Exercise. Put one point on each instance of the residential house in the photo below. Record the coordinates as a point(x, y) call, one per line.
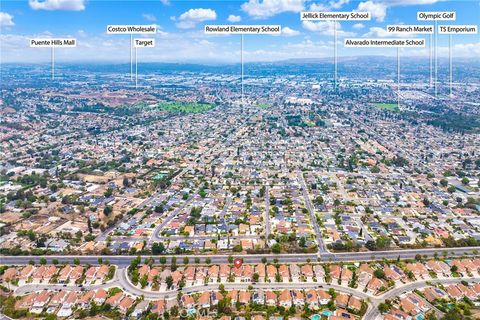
point(215, 297)
point(244, 297)
point(270, 298)
point(139, 309)
point(454, 292)
point(213, 273)
point(204, 300)
point(365, 274)
point(323, 297)
point(319, 272)
point(284, 273)
point(312, 299)
point(158, 307)
point(100, 296)
point(434, 293)
point(125, 304)
point(115, 300)
point(354, 304)
point(224, 272)
point(285, 299)
point(439, 267)
point(347, 274)
point(64, 274)
point(341, 300)
point(271, 273)
point(187, 301)
point(69, 302)
point(260, 270)
point(247, 273)
point(295, 272)
point(84, 301)
point(418, 270)
point(258, 297)
point(298, 298)
point(393, 273)
point(233, 296)
point(307, 272)
point(335, 272)
point(9, 274)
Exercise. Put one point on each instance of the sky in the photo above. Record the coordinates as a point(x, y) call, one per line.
point(180, 36)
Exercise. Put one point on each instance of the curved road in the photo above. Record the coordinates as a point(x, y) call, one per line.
point(122, 281)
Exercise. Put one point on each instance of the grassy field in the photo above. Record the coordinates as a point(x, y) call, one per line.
point(185, 107)
point(386, 106)
point(263, 106)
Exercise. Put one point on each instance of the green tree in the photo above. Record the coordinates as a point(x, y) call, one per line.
point(379, 273)
point(451, 189)
point(158, 248)
point(276, 248)
point(319, 200)
point(383, 242)
point(383, 307)
point(108, 193)
point(143, 281)
point(169, 281)
point(107, 210)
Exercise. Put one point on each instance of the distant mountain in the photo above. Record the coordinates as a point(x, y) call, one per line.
point(363, 59)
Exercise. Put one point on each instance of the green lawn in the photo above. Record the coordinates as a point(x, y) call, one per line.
point(185, 107)
point(263, 106)
point(386, 106)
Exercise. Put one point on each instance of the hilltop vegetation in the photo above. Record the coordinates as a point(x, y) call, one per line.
point(386, 106)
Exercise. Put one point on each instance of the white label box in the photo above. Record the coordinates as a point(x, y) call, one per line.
point(363, 43)
point(418, 28)
point(132, 29)
point(243, 29)
point(53, 42)
point(144, 43)
point(458, 29)
point(437, 15)
point(339, 15)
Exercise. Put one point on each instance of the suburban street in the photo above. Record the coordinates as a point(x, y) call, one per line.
point(158, 229)
point(313, 219)
point(267, 212)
